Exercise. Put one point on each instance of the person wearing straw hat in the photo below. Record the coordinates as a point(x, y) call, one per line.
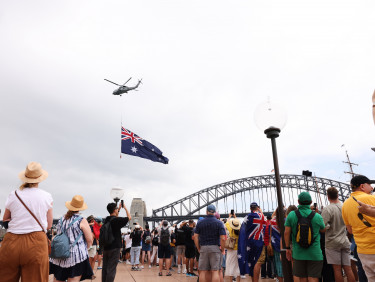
point(233, 227)
point(28, 212)
point(77, 266)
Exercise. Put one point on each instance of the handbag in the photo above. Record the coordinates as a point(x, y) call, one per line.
point(48, 240)
point(230, 242)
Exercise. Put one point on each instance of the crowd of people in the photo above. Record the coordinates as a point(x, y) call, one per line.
point(320, 245)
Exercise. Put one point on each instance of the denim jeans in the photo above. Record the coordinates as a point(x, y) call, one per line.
point(134, 255)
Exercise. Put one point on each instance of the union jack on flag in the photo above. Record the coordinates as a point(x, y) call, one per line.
point(132, 144)
point(250, 242)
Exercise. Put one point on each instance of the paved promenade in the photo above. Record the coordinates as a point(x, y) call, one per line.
point(124, 273)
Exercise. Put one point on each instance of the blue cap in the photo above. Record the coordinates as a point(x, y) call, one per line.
point(200, 218)
point(211, 208)
point(254, 205)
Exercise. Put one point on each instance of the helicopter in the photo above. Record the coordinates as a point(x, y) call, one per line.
point(124, 89)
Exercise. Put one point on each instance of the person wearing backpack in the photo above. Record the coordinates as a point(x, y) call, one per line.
point(135, 250)
point(164, 250)
point(74, 266)
point(110, 239)
point(155, 246)
point(304, 226)
point(146, 246)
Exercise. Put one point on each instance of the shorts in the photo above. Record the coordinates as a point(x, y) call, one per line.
point(210, 258)
point(338, 257)
point(307, 268)
point(262, 257)
point(92, 251)
point(180, 250)
point(190, 252)
point(146, 247)
point(127, 251)
point(164, 251)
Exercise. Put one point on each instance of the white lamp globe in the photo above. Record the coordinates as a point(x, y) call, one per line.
point(270, 115)
point(117, 193)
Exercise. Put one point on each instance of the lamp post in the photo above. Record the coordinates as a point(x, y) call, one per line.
point(271, 118)
point(117, 193)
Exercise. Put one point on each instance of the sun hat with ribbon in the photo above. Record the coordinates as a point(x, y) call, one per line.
point(235, 224)
point(76, 204)
point(33, 173)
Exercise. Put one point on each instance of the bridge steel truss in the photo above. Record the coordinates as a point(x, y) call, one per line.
point(193, 206)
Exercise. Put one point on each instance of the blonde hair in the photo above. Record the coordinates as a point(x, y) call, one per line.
point(28, 185)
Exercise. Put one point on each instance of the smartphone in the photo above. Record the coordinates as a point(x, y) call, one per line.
point(355, 199)
point(122, 203)
point(232, 212)
point(315, 206)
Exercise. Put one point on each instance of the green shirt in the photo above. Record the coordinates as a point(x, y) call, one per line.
point(313, 252)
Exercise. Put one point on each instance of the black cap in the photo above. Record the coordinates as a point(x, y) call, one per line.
point(360, 179)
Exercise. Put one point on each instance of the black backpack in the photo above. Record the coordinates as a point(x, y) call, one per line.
point(164, 236)
point(304, 232)
point(106, 236)
point(155, 240)
point(180, 237)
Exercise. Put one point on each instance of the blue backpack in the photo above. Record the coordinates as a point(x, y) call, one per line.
point(60, 245)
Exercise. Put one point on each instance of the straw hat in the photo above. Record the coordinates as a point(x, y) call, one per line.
point(235, 224)
point(33, 173)
point(76, 204)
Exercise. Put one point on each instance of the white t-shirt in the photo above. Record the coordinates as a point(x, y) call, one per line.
point(37, 200)
point(128, 241)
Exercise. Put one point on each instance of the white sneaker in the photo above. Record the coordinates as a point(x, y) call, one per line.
point(243, 276)
point(142, 267)
point(128, 262)
point(184, 271)
point(149, 266)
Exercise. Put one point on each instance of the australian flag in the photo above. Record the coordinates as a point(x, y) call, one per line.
point(275, 235)
point(134, 145)
point(251, 242)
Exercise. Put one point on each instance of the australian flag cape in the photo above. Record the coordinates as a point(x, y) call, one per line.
point(132, 144)
point(251, 242)
point(275, 235)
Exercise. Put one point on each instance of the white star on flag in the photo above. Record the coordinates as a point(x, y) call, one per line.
point(134, 149)
point(239, 256)
point(248, 248)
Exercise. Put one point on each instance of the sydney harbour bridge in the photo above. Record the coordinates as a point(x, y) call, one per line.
point(238, 194)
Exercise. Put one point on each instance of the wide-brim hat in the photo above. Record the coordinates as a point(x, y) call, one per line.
point(76, 204)
point(33, 173)
point(235, 224)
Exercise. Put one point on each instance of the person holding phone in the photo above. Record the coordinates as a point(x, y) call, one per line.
point(111, 253)
point(359, 224)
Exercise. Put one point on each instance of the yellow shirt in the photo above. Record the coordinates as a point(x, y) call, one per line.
point(363, 235)
point(232, 234)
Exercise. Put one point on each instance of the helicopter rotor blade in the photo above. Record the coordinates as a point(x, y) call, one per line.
point(126, 81)
point(112, 82)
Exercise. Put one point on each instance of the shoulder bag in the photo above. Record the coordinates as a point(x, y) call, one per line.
point(48, 240)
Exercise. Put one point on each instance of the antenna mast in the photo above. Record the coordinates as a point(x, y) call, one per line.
point(349, 163)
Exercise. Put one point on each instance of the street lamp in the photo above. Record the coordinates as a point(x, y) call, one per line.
point(271, 118)
point(117, 193)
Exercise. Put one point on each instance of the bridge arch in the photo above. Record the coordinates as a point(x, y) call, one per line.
point(260, 189)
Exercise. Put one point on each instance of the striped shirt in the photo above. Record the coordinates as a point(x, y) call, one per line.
point(79, 252)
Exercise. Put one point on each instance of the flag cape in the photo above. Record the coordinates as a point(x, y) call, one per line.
point(250, 242)
point(132, 144)
point(275, 236)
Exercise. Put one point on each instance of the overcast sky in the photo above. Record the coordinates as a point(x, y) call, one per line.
point(206, 65)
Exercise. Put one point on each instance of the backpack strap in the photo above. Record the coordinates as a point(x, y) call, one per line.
point(70, 225)
point(311, 215)
point(298, 213)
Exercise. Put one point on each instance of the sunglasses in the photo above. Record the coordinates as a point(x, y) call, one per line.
point(365, 222)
